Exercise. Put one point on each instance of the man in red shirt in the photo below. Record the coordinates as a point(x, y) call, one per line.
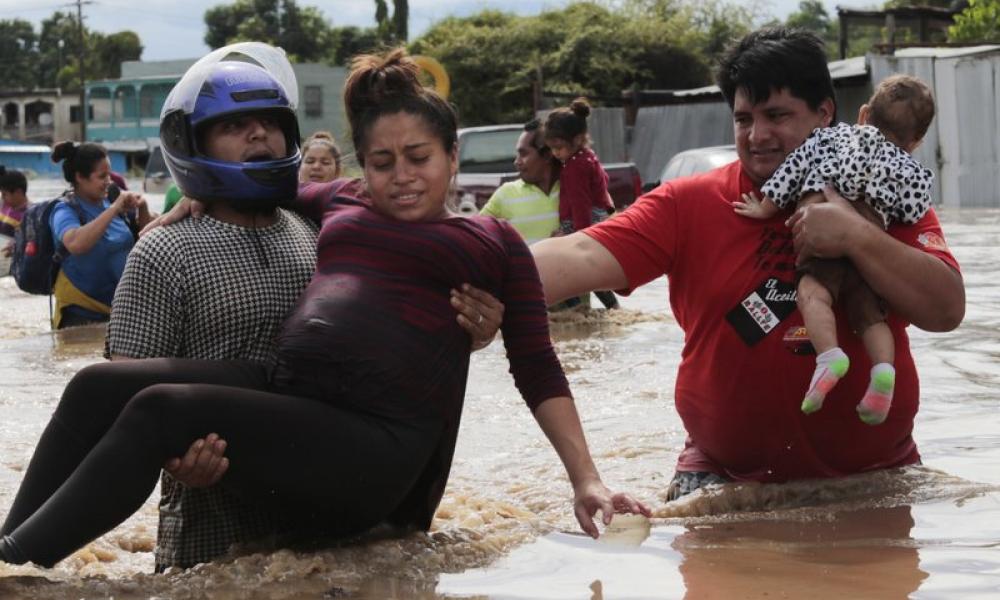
point(732, 287)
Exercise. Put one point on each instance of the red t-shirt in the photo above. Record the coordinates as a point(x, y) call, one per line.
point(743, 371)
point(583, 186)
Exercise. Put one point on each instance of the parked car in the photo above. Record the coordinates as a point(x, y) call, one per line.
point(157, 179)
point(696, 160)
point(486, 160)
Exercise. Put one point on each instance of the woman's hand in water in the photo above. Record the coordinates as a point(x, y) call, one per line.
point(185, 207)
point(593, 495)
point(479, 313)
point(203, 465)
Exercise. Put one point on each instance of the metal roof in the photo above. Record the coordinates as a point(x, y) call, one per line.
point(24, 148)
point(945, 52)
point(847, 68)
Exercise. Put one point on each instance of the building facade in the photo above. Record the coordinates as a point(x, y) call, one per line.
point(125, 112)
point(40, 116)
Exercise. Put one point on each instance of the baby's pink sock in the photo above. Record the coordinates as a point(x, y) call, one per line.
point(830, 367)
point(874, 407)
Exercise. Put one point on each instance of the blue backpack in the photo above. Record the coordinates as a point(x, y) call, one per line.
point(36, 258)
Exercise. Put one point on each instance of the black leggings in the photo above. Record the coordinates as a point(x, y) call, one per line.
point(99, 457)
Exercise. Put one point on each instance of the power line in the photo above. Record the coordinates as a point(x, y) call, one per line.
point(81, 67)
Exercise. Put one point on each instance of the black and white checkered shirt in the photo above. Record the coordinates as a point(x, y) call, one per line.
point(206, 289)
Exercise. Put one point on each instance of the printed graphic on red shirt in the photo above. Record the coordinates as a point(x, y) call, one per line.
point(796, 340)
point(775, 250)
point(762, 310)
point(932, 241)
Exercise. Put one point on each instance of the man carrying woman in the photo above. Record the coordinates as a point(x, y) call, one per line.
point(354, 420)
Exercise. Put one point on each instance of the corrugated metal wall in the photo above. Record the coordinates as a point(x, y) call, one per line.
point(607, 129)
point(962, 146)
point(970, 168)
point(927, 153)
point(662, 131)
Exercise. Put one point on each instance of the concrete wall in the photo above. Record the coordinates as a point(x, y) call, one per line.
point(330, 81)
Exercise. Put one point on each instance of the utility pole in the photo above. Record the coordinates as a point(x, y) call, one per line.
point(81, 62)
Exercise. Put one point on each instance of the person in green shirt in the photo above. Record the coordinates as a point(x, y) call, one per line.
point(173, 196)
point(530, 203)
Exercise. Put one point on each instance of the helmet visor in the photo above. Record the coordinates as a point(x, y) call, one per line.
point(271, 59)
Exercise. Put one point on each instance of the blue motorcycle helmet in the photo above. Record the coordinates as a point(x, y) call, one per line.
point(221, 85)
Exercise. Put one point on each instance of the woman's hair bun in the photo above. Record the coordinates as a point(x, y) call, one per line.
point(373, 79)
point(63, 150)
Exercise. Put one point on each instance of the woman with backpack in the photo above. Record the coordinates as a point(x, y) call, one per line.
point(94, 234)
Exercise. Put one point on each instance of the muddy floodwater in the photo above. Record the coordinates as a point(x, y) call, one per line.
point(505, 527)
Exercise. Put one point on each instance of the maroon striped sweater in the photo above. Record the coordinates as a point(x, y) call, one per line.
point(378, 309)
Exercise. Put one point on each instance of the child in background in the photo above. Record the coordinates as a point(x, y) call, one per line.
point(583, 183)
point(320, 159)
point(869, 164)
point(14, 193)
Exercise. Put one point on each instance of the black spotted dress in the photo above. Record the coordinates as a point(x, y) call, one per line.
point(861, 164)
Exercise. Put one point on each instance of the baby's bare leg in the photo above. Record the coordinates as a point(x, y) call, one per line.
point(816, 305)
point(879, 343)
point(866, 316)
point(815, 302)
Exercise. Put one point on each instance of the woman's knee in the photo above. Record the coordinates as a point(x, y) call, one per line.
point(91, 392)
point(157, 400)
point(149, 415)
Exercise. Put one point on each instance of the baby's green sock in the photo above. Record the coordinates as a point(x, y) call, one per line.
point(874, 407)
point(830, 367)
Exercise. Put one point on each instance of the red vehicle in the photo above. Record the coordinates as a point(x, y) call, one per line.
point(486, 160)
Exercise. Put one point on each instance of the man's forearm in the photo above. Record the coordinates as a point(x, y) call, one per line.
point(918, 286)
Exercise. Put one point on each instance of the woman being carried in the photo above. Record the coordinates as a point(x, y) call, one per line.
point(355, 420)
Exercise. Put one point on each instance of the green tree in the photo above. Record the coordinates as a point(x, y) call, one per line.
point(979, 22)
point(109, 51)
point(811, 15)
point(20, 56)
point(304, 33)
point(58, 47)
point(346, 42)
point(395, 29)
point(103, 53)
point(494, 58)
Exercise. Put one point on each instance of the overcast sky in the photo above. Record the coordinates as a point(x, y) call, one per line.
point(175, 28)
